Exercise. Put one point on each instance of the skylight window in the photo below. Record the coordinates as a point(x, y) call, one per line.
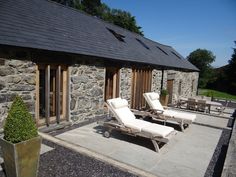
point(142, 43)
point(162, 50)
point(118, 36)
point(176, 55)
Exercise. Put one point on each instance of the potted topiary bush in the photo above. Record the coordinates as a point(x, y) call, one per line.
point(164, 97)
point(21, 142)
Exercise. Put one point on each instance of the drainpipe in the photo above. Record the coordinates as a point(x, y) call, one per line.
point(162, 78)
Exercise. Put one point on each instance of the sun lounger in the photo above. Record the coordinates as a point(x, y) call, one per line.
point(158, 112)
point(126, 122)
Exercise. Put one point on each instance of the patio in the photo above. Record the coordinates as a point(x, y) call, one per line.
point(187, 154)
point(83, 151)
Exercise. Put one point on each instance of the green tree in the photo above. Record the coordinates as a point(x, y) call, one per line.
point(125, 20)
point(231, 72)
point(202, 59)
point(91, 6)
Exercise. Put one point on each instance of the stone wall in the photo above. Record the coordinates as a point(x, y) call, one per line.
point(87, 83)
point(16, 78)
point(125, 83)
point(189, 83)
point(156, 80)
point(87, 86)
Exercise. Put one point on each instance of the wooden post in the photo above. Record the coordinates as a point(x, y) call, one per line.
point(47, 94)
point(162, 78)
point(58, 91)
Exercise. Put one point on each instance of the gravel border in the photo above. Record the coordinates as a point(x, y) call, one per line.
point(216, 164)
point(63, 162)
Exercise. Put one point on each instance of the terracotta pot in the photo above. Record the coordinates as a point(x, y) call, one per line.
point(164, 99)
point(21, 159)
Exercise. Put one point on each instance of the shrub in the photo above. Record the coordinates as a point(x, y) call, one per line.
point(19, 124)
point(164, 92)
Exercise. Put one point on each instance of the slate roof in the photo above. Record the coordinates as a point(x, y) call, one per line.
point(46, 25)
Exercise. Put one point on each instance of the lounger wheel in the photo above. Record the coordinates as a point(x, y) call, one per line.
point(106, 134)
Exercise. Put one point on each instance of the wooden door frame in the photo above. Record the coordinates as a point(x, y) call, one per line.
point(65, 88)
point(141, 82)
point(115, 81)
point(172, 88)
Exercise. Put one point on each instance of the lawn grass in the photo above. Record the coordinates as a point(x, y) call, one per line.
point(216, 94)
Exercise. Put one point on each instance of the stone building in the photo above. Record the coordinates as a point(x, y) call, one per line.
point(65, 63)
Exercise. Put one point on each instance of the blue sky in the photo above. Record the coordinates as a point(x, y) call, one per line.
point(186, 24)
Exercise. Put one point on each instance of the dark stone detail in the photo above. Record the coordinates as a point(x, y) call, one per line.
point(14, 79)
point(30, 80)
point(2, 85)
point(9, 97)
point(4, 71)
point(72, 104)
point(30, 106)
point(99, 77)
point(79, 79)
point(15, 63)
point(2, 61)
point(22, 88)
point(96, 91)
point(26, 97)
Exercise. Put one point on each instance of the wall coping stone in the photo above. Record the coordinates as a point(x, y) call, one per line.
point(229, 169)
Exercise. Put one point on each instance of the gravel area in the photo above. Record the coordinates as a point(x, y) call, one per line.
point(216, 164)
point(62, 162)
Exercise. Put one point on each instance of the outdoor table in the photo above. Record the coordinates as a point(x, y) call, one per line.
point(208, 103)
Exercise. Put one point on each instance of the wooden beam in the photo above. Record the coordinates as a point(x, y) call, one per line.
point(162, 78)
point(68, 94)
point(64, 93)
point(37, 96)
point(58, 91)
point(114, 85)
point(47, 94)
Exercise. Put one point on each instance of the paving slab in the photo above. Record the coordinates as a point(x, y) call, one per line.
point(187, 154)
point(210, 120)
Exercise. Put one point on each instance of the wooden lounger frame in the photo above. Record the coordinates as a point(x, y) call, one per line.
point(114, 124)
point(159, 116)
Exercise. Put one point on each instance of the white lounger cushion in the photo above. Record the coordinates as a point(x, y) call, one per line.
point(120, 109)
point(124, 114)
point(157, 130)
point(152, 99)
point(137, 124)
point(180, 115)
point(120, 103)
point(156, 105)
point(153, 95)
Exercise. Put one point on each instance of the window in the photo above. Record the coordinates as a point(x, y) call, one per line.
point(118, 36)
point(112, 83)
point(142, 43)
point(161, 50)
point(175, 54)
point(141, 83)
